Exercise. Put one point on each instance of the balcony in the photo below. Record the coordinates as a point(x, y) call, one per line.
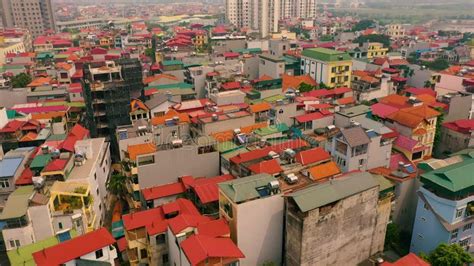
point(470, 209)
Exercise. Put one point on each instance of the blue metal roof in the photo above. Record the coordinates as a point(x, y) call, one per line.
point(8, 166)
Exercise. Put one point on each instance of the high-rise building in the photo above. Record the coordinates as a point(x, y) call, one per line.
point(238, 12)
point(298, 9)
point(35, 15)
point(108, 89)
point(263, 15)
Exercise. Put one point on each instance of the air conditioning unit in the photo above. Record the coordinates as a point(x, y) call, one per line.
point(291, 179)
point(274, 184)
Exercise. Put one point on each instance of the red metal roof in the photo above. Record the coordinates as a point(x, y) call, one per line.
point(309, 117)
point(408, 260)
point(463, 125)
point(312, 156)
point(183, 221)
point(122, 244)
point(163, 191)
point(74, 248)
point(198, 248)
point(25, 178)
point(260, 153)
point(206, 188)
point(270, 167)
point(55, 165)
point(234, 85)
point(214, 228)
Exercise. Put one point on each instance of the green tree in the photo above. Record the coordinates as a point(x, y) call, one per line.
point(439, 122)
point(150, 53)
point(323, 86)
point(444, 255)
point(304, 87)
point(384, 39)
point(117, 185)
point(21, 80)
point(437, 65)
point(326, 38)
point(363, 25)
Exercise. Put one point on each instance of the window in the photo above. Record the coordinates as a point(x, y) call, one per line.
point(467, 227)
point(465, 242)
point(164, 259)
point(4, 183)
point(454, 234)
point(333, 80)
point(459, 212)
point(425, 206)
point(14, 243)
point(99, 254)
point(60, 225)
point(143, 253)
point(160, 239)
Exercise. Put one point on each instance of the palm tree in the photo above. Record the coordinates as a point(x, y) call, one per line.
point(117, 185)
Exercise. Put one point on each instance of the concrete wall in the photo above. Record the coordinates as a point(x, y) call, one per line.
point(339, 234)
point(453, 141)
point(404, 210)
point(124, 143)
point(377, 155)
point(40, 217)
point(260, 230)
point(449, 83)
point(251, 67)
point(170, 164)
point(223, 125)
point(24, 234)
point(288, 111)
point(108, 256)
point(270, 68)
point(459, 108)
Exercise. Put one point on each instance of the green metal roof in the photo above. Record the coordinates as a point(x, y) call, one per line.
point(384, 183)
point(248, 51)
point(12, 114)
point(40, 161)
point(180, 85)
point(171, 62)
point(327, 55)
point(453, 178)
point(226, 146)
point(23, 255)
point(331, 191)
point(272, 58)
point(282, 127)
point(57, 137)
point(44, 55)
point(245, 188)
point(229, 154)
point(17, 203)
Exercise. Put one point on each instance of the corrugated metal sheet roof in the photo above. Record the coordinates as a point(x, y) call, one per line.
point(319, 195)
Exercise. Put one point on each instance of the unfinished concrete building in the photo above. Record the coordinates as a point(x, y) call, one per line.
point(340, 222)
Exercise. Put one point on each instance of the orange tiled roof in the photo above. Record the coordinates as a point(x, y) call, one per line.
point(151, 79)
point(260, 107)
point(426, 98)
point(29, 137)
point(47, 115)
point(294, 81)
point(40, 81)
point(395, 100)
point(63, 65)
point(136, 105)
point(323, 171)
point(140, 149)
point(183, 117)
point(413, 116)
point(229, 134)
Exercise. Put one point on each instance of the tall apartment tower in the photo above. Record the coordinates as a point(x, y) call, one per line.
point(35, 15)
point(239, 12)
point(298, 9)
point(263, 15)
